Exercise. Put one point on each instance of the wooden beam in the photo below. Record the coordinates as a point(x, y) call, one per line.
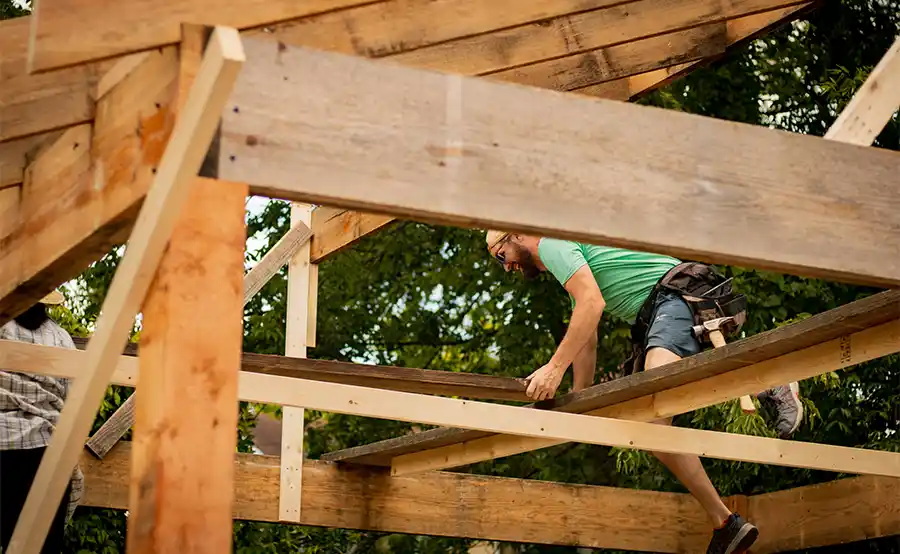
point(65, 96)
point(184, 441)
point(744, 181)
point(445, 504)
point(334, 229)
point(67, 363)
point(40, 103)
point(816, 360)
point(270, 264)
point(182, 158)
point(293, 417)
point(615, 62)
point(51, 38)
point(95, 212)
point(784, 343)
point(553, 427)
point(10, 199)
point(577, 33)
point(565, 427)
point(873, 104)
point(113, 429)
point(494, 508)
point(836, 512)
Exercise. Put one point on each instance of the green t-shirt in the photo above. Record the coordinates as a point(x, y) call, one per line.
point(625, 277)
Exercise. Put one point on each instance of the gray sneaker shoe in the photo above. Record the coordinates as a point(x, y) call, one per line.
point(784, 407)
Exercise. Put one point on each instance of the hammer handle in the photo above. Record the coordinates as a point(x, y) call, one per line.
point(718, 341)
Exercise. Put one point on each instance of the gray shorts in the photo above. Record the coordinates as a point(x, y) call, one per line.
point(670, 326)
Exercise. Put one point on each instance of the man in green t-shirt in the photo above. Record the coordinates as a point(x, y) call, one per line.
point(617, 281)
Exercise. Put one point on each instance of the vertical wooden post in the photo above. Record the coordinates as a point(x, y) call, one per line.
point(298, 313)
point(190, 353)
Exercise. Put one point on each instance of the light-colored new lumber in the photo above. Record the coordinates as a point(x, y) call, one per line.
point(793, 341)
point(836, 354)
point(182, 158)
point(270, 264)
point(873, 104)
point(778, 200)
point(540, 428)
point(831, 513)
point(95, 212)
point(293, 416)
point(184, 441)
point(445, 504)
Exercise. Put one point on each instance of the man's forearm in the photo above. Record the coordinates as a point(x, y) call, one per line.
point(585, 365)
point(585, 318)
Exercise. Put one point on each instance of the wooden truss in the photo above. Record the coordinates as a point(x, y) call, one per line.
point(156, 136)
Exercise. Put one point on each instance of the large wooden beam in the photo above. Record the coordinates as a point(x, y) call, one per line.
point(494, 508)
point(445, 504)
point(180, 162)
point(92, 212)
point(620, 72)
point(784, 344)
point(184, 440)
point(462, 140)
point(835, 512)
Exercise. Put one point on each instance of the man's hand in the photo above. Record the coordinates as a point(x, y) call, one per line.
point(542, 384)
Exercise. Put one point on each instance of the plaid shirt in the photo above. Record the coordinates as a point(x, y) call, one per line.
point(30, 404)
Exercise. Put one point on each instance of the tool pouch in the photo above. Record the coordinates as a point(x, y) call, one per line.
point(708, 294)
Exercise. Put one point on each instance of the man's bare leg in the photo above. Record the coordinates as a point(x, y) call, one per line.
point(688, 468)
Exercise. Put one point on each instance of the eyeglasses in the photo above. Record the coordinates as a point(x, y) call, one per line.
point(500, 256)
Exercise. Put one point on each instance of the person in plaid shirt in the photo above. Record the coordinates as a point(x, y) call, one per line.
point(29, 411)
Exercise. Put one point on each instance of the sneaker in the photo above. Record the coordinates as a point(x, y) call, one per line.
point(782, 404)
point(735, 537)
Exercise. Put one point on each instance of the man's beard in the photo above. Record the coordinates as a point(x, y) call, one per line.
point(526, 261)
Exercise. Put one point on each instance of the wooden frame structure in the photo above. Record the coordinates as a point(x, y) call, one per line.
point(157, 136)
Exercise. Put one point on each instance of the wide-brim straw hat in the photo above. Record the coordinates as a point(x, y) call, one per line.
point(52, 299)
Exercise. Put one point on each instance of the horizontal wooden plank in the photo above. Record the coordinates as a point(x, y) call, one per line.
point(577, 33)
point(406, 379)
point(611, 63)
point(54, 43)
point(862, 314)
point(803, 364)
point(836, 512)
point(768, 199)
point(31, 104)
point(444, 504)
point(495, 508)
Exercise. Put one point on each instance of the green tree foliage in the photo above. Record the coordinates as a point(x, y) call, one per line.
point(429, 296)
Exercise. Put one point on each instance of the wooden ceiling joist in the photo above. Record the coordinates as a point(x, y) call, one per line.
point(494, 508)
point(35, 103)
point(643, 389)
